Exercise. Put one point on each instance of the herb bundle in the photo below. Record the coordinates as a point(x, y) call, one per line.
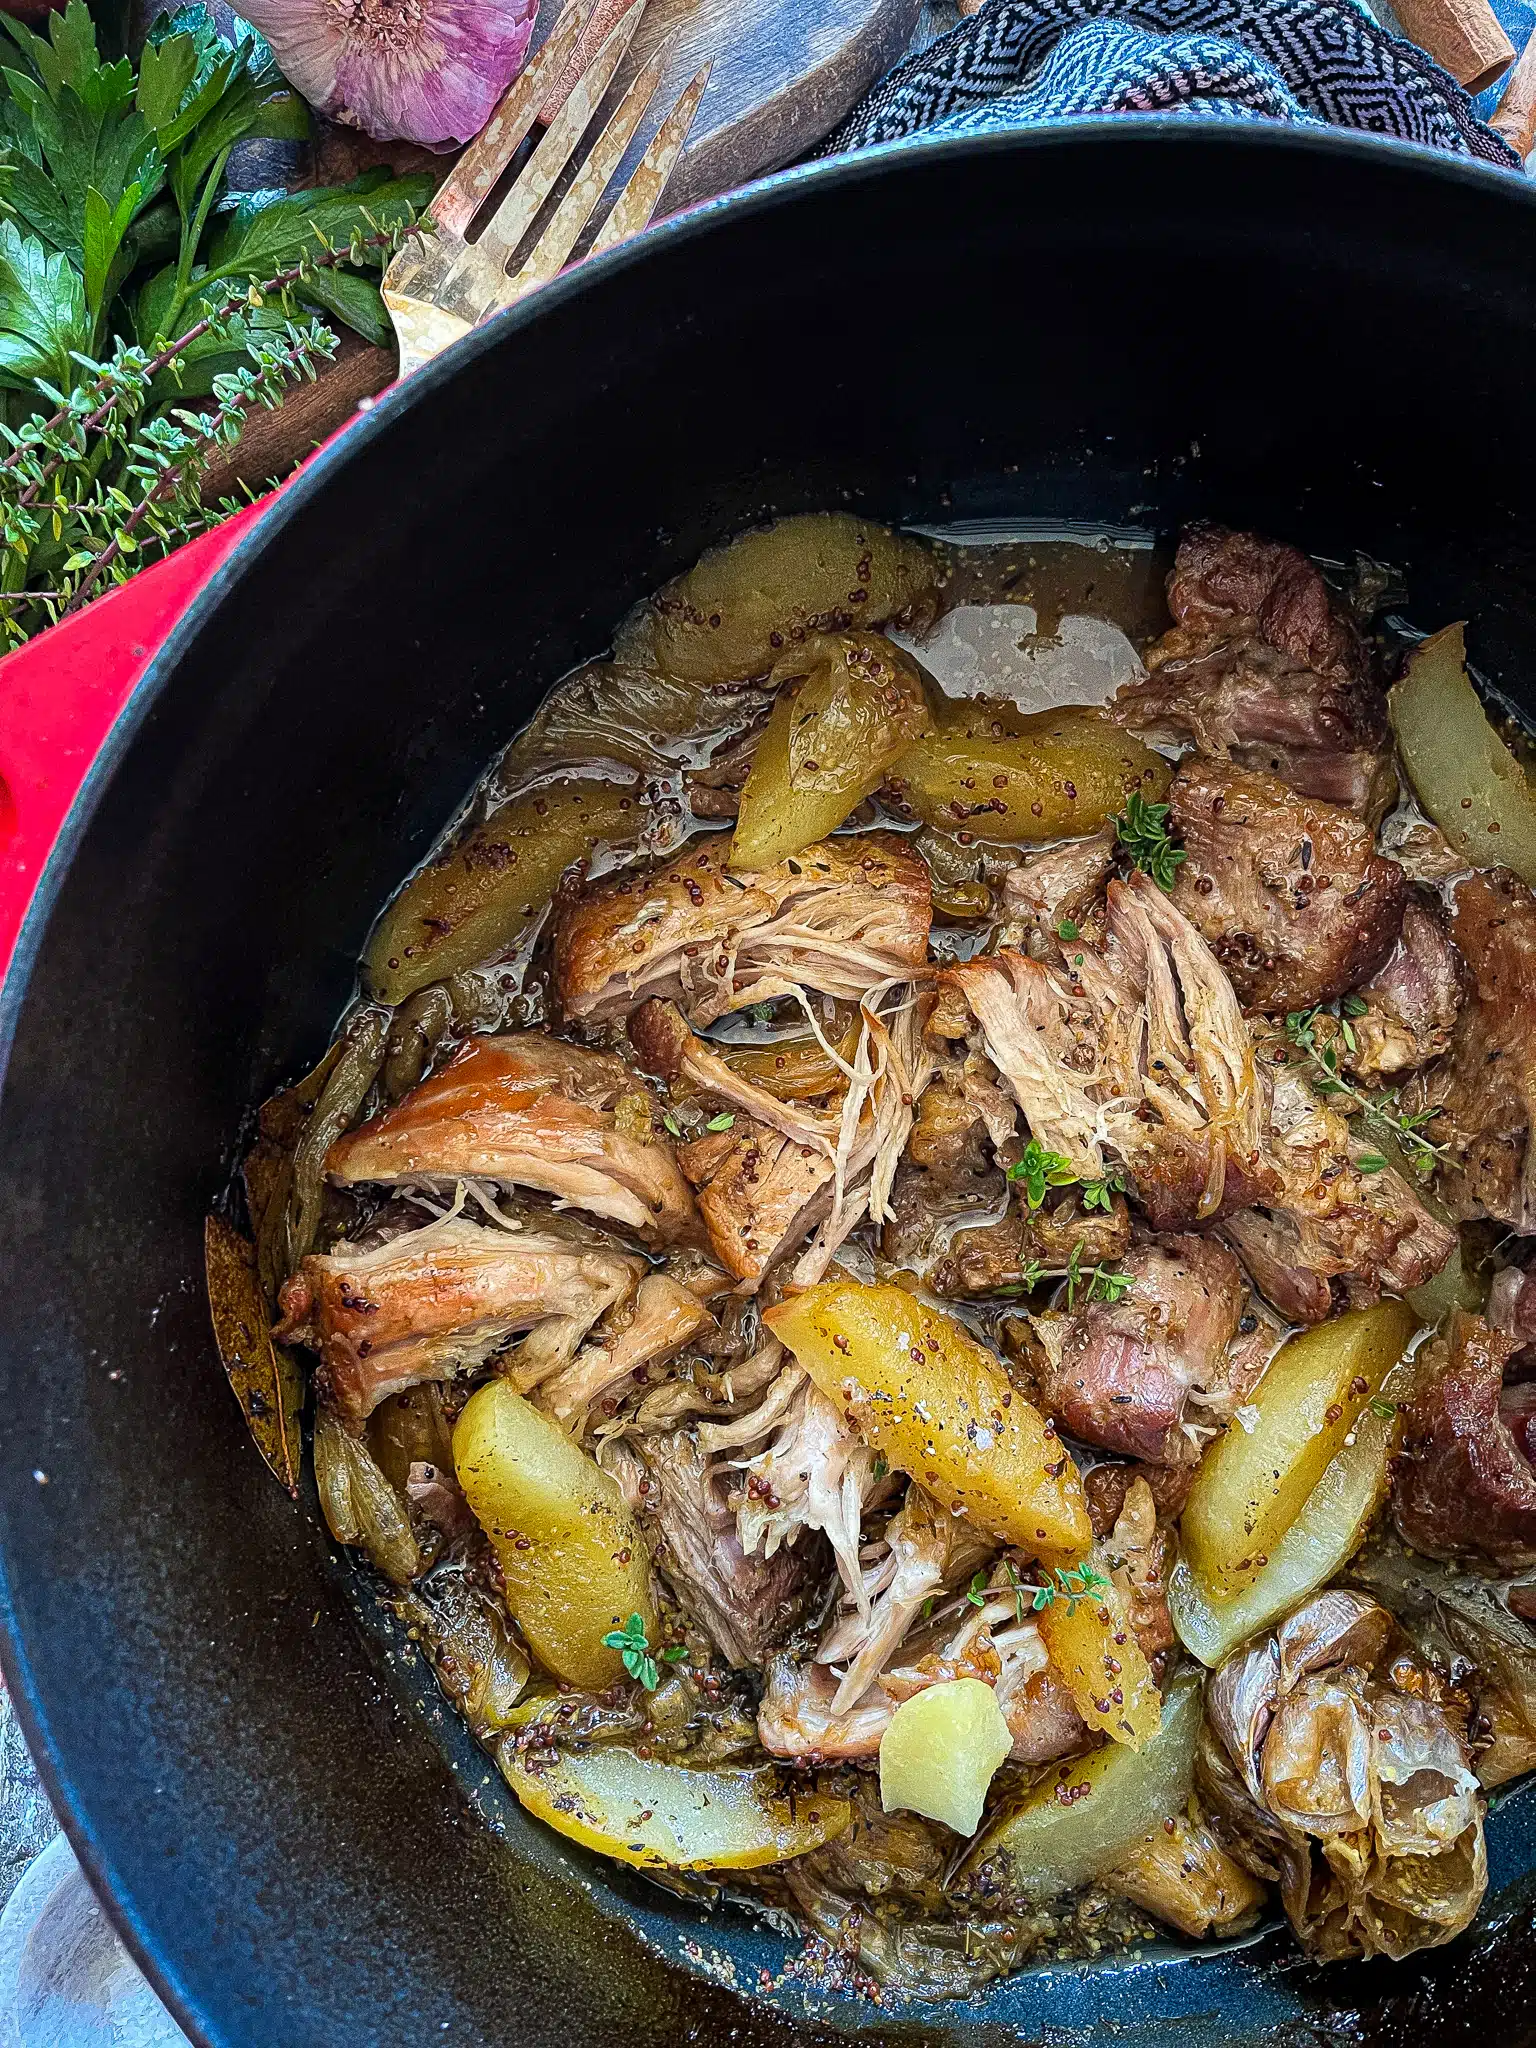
point(131, 280)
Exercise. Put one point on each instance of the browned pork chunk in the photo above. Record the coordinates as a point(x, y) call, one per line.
point(759, 1192)
point(1485, 1087)
point(1412, 1000)
point(746, 1605)
point(841, 917)
point(1512, 1305)
point(1265, 671)
point(1150, 1375)
point(435, 1302)
point(1333, 1233)
point(1291, 893)
point(533, 1112)
point(1465, 1487)
point(1224, 579)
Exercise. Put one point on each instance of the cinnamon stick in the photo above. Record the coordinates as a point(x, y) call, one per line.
point(1515, 116)
point(1463, 36)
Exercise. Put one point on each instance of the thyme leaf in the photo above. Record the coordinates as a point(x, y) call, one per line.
point(634, 1651)
point(1039, 1169)
point(1142, 829)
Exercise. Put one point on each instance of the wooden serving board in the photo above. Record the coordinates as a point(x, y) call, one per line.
point(784, 74)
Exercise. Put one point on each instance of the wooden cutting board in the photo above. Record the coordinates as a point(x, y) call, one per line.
point(784, 74)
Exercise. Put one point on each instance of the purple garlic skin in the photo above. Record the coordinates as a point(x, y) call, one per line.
point(424, 71)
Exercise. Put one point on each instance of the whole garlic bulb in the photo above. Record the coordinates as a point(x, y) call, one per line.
point(426, 71)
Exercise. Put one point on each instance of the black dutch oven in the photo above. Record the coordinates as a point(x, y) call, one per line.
point(1328, 338)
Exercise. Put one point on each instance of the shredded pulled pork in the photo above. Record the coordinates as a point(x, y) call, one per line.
point(888, 1650)
point(779, 1170)
point(746, 1605)
point(1137, 1056)
point(812, 1474)
point(663, 1318)
point(840, 917)
point(432, 1303)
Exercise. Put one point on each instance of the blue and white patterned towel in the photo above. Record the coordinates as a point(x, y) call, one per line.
point(1019, 62)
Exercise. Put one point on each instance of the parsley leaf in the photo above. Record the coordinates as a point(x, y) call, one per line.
point(1067, 929)
point(43, 317)
point(1142, 829)
point(722, 1122)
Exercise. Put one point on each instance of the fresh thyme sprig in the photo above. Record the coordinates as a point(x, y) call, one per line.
point(1040, 1170)
point(1098, 1281)
point(635, 1652)
point(1142, 829)
point(95, 489)
point(1072, 1583)
point(1382, 1110)
point(1094, 1283)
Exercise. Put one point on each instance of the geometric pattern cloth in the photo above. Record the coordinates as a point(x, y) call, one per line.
point(1021, 62)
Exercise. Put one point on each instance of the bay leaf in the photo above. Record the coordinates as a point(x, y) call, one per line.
point(266, 1378)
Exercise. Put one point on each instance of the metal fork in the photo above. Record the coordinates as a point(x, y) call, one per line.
point(441, 285)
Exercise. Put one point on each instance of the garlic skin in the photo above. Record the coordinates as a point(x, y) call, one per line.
point(424, 71)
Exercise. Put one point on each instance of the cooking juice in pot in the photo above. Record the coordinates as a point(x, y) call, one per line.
point(913, 1257)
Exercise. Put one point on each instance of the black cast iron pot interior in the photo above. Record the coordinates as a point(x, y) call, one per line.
point(1332, 339)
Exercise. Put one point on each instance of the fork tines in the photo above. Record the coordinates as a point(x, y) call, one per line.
point(441, 285)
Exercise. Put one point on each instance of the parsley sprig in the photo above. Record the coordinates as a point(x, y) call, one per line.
point(1383, 1110)
point(133, 281)
point(635, 1652)
point(1142, 829)
point(1072, 1583)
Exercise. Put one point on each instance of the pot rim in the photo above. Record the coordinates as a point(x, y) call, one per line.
point(1148, 132)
